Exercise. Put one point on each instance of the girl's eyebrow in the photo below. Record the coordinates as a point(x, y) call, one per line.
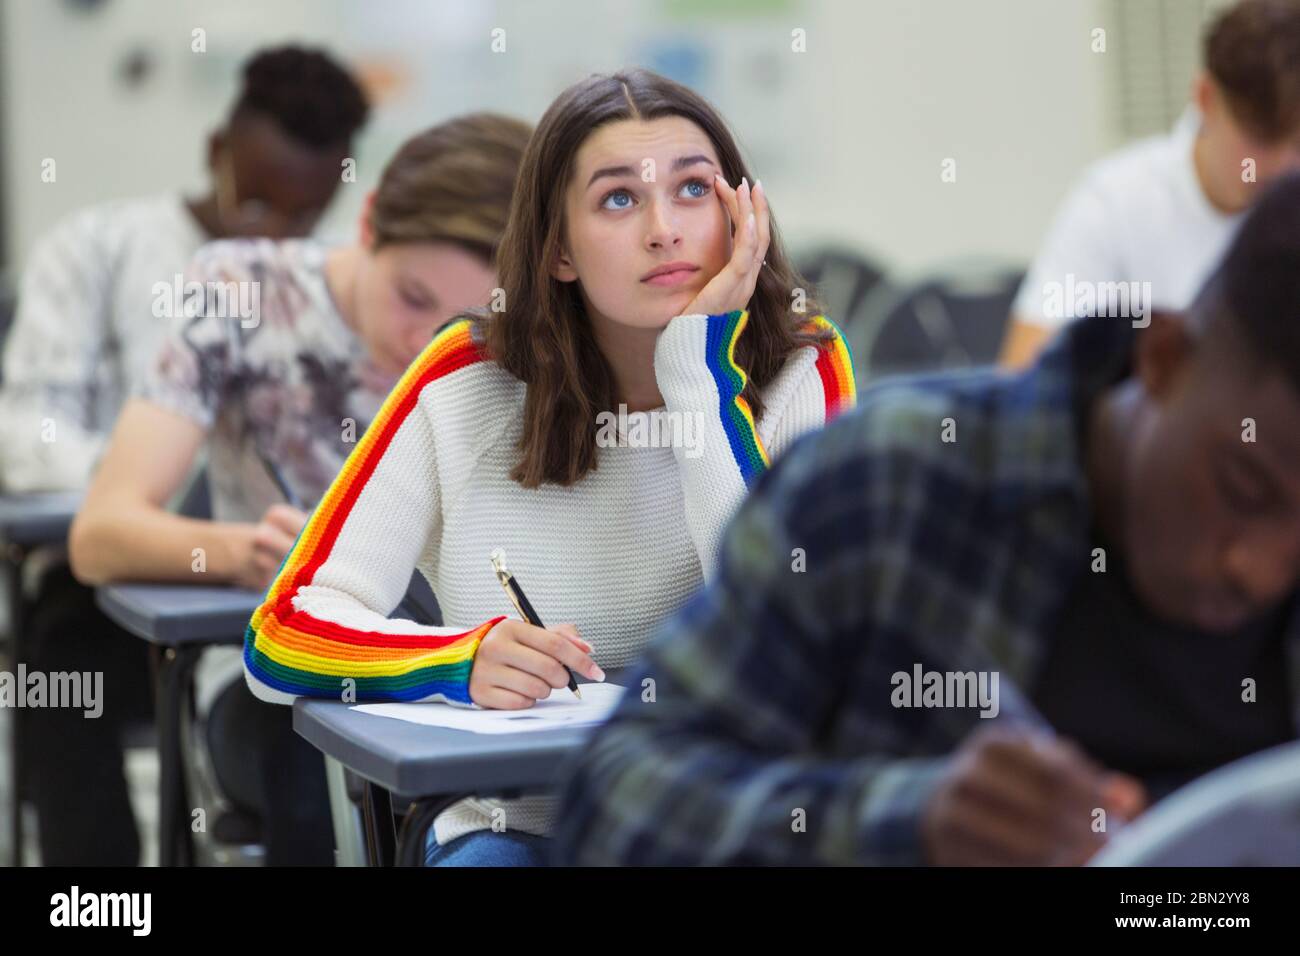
point(684, 161)
point(679, 163)
point(609, 171)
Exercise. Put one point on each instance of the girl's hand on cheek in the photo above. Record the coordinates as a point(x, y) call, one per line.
point(733, 286)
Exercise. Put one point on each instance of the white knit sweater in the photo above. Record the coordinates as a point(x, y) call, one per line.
point(428, 487)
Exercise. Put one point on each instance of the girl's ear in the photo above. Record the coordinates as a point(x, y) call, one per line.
point(365, 227)
point(563, 269)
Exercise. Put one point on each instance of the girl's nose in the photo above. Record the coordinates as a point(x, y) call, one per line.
point(663, 231)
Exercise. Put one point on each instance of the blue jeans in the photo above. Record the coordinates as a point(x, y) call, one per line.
point(489, 848)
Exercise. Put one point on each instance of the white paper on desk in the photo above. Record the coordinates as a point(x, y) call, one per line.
point(561, 709)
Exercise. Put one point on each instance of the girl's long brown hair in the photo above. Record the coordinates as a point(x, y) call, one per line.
point(544, 337)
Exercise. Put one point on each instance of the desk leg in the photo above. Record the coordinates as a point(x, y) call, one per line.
point(13, 570)
point(377, 812)
point(175, 846)
point(349, 826)
point(415, 828)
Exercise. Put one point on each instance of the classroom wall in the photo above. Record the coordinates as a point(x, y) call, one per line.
point(849, 136)
point(1007, 88)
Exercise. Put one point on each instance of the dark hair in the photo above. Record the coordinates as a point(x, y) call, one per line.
point(544, 336)
point(1253, 52)
point(1256, 288)
point(452, 183)
point(309, 95)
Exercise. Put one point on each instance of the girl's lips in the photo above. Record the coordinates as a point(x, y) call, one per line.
point(676, 277)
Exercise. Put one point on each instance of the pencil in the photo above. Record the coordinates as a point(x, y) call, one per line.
point(522, 605)
point(277, 476)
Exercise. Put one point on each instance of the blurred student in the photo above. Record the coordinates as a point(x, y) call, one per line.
point(292, 388)
point(1163, 211)
point(87, 326)
point(87, 323)
point(600, 427)
point(1028, 600)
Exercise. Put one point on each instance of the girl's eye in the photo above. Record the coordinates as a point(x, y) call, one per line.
point(617, 194)
point(698, 188)
point(412, 301)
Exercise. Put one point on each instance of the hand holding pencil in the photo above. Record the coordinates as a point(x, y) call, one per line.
point(519, 663)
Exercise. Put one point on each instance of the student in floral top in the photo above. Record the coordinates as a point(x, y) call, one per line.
point(286, 355)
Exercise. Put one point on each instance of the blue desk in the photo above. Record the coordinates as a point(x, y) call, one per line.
point(429, 767)
point(42, 518)
point(174, 615)
point(27, 522)
point(181, 621)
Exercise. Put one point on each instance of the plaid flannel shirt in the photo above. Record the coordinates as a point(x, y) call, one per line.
point(770, 736)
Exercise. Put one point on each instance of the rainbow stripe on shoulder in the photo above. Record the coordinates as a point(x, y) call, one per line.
point(291, 651)
point(834, 366)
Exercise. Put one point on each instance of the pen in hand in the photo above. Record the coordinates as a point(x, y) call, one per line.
point(277, 476)
point(517, 597)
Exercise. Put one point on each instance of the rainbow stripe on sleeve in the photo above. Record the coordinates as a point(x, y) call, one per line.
point(293, 652)
point(737, 417)
point(834, 365)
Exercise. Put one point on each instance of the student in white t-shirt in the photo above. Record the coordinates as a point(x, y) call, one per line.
point(1145, 227)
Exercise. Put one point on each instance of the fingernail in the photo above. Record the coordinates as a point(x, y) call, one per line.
point(597, 673)
point(758, 184)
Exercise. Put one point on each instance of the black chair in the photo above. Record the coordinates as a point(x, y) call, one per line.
point(843, 279)
point(952, 321)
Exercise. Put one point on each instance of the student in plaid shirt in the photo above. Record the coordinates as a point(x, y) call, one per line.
point(1115, 534)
